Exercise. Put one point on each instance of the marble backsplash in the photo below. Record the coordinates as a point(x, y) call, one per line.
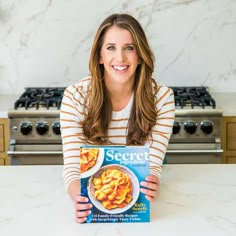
point(47, 42)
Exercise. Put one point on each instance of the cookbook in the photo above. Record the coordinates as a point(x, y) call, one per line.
point(110, 178)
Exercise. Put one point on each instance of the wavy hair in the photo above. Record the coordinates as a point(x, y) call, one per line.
point(99, 108)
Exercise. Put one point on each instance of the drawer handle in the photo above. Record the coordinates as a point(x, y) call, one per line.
point(196, 151)
point(34, 153)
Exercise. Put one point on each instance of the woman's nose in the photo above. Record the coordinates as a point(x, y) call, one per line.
point(120, 55)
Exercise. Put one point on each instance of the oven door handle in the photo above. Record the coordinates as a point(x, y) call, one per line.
point(216, 151)
point(34, 152)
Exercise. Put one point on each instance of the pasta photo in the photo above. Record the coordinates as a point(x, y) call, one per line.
point(88, 158)
point(113, 188)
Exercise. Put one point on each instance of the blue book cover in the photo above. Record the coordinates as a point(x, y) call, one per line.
point(110, 178)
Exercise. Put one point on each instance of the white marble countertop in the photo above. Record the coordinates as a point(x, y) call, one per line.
point(6, 102)
point(226, 101)
point(192, 200)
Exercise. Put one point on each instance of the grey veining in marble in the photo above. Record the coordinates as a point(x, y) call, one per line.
point(47, 43)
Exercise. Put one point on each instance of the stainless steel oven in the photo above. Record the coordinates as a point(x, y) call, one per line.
point(197, 128)
point(35, 137)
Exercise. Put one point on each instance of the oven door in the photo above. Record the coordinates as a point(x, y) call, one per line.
point(36, 154)
point(200, 153)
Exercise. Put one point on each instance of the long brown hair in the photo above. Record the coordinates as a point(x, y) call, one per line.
point(99, 109)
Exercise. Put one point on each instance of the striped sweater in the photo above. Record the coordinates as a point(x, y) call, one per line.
point(72, 113)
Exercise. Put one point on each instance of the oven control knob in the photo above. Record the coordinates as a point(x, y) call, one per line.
point(176, 128)
point(25, 127)
point(42, 127)
point(207, 126)
point(56, 128)
point(190, 126)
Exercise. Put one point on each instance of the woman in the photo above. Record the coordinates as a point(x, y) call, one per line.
point(119, 104)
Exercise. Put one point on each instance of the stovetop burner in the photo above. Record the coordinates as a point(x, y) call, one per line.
point(40, 98)
point(193, 97)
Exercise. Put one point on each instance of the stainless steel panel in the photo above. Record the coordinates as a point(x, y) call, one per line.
point(199, 136)
point(42, 112)
point(36, 154)
point(207, 112)
point(195, 146)
point(33, 137)
point(197, 158)
point(195, 153)
point(36, 160)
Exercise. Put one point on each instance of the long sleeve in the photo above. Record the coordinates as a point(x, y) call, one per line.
point(162, 131)
point(70, 116)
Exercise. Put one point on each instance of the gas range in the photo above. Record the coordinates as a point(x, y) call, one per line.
point(34, 122)
point(197, 117)
point(196, 136)
point(35, 117)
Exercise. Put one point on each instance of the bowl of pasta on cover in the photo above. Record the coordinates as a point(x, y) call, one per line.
point(91, 160)
point(113, 189)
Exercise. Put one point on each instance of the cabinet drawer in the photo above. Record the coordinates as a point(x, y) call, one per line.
point(231, 160)
point(231, 136)
point(2, 162)
point(2, 144)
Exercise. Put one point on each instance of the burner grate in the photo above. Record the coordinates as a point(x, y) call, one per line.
point(37, 98)
point(193, 97)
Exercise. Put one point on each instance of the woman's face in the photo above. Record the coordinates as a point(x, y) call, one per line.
point(119, 56)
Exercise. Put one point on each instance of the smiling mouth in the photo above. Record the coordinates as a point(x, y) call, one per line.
point(120, 68)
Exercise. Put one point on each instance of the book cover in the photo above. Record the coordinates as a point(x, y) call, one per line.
point(110, 178)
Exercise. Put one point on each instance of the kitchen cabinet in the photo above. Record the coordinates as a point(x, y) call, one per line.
point(229, 139)
point(4, 141)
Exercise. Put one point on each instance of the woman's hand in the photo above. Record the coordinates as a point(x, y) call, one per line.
point(151, 185)
point(82, 208)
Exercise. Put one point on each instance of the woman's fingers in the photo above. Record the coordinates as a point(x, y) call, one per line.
point(151, 185)
point(149, 193)
point(79, 198)
point(80, 220)
point(151, 199)
point(82, 208)
point(82, 214)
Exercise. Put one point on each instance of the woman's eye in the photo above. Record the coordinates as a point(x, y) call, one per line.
point(111, 48)
point(130, 48)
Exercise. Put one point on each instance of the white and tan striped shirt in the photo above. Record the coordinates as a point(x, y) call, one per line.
point(72, 112)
